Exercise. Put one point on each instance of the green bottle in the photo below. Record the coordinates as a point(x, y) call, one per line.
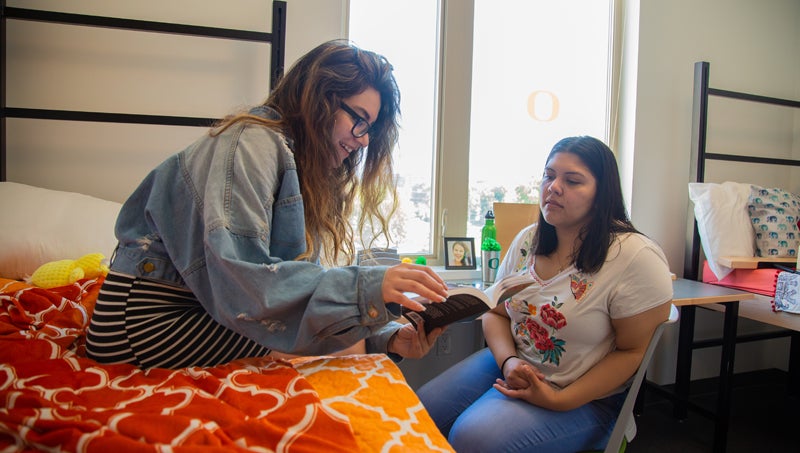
point(488, 230)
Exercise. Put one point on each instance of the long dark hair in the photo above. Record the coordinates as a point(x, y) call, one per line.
point(609, 216)
point(307, 98)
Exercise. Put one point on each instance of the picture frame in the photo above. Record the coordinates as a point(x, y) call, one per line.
point(459, 250)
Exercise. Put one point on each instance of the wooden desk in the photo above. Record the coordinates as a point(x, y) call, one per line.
point(761, 311)
point(752, 262)
point(690, 292)
point(688, 295)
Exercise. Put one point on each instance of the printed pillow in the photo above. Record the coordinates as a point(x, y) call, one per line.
point(774, 214)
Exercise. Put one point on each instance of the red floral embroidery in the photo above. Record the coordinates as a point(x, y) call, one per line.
point(536, 336)
point(553, 317)
point(539, 335)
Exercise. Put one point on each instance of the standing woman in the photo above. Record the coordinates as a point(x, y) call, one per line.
point(562, 351)
point(219, 247)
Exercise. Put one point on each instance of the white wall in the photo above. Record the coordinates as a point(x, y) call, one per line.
point(79, 68)
point(311, 22)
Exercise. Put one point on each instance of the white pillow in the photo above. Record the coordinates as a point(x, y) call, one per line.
point(722, 222)
point(40, 225)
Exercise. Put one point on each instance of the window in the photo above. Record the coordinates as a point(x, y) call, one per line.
point(406, 33)
point(516, 76)
point(540, 73)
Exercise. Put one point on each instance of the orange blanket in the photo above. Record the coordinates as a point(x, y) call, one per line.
point(55, 398)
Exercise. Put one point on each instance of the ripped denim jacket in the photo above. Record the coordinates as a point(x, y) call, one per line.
point(224, 218)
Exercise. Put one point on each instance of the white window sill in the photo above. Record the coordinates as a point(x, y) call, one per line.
point(458, 274)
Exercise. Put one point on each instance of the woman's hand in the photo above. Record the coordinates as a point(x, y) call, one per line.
point(412, 278)
point(412, 342)
point(529, 385)
point(515, 373)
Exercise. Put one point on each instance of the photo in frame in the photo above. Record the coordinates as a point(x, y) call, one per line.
point(459, 253)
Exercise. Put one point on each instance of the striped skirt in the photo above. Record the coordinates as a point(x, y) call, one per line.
point(149, 324)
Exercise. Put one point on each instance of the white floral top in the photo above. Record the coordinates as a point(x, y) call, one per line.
point(563, 325)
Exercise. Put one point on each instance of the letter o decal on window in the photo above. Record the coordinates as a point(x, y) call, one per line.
point(538, 105)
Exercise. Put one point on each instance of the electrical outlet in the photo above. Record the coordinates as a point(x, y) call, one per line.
point(444, 344)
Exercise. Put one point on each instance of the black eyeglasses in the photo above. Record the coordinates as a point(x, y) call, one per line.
point(361, 127)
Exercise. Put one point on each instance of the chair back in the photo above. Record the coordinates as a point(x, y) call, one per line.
point(626, 413)
point(510, 219)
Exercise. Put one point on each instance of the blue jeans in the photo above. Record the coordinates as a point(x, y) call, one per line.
point(477, 418)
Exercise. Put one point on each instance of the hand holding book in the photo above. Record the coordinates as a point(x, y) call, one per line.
point(465, 303)
point(402, 278)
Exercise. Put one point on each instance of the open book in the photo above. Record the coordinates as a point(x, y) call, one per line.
point(466, 303)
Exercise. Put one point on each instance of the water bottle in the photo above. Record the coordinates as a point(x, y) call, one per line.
point(490, 253)
point(488, 230)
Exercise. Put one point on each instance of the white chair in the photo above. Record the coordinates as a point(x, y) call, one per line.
point(625, 428)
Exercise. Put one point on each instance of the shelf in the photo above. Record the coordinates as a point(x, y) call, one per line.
point(752, 262)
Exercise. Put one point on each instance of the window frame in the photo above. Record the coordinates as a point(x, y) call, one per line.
point(451, 168)
point(450, 185)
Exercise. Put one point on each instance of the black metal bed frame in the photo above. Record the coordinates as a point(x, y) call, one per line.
point(730, 338)
point(699, 156)
point(276, 38)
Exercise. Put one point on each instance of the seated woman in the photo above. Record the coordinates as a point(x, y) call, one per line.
point(561, 351)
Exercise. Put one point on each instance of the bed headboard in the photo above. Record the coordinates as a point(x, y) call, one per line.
point(700, 155)
point(275, 38)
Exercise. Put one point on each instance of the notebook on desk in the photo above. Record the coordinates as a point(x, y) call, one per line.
point(787, 293)
point(759, 281)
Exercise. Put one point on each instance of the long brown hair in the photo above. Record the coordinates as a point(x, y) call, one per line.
point(307, 98)
point(609, 216)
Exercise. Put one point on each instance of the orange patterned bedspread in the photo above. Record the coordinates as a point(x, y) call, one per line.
point(54, 398)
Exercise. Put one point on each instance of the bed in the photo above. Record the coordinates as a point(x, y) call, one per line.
point(747, 231)
point(742, 234)
point(745, 235)
point(748, 234)
point(54, 398)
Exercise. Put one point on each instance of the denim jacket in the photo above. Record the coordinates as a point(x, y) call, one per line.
point(224, 218)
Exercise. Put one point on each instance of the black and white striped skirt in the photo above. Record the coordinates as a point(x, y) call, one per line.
point(154, 325)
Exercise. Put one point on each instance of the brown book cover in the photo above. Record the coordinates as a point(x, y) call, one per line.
point(466, 303)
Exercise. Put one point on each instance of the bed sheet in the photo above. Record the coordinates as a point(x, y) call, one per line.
point(53, 397)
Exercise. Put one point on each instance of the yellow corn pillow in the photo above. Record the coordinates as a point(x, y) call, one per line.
point(66, 272)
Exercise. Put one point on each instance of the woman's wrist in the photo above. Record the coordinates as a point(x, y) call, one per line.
point(391, 352)
point(390, 343)
point(503, 365)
